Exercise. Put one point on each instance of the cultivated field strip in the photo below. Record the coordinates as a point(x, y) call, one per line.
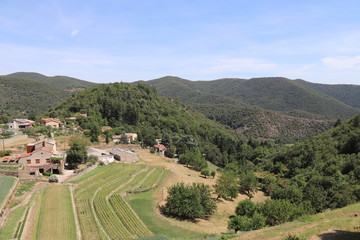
point(90, 225)
point(102, 212)
point(56, 218)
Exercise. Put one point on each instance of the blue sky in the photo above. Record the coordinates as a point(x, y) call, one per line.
point(109, 40)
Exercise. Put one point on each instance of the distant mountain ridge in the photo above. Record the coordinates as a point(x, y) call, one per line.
point(346, 93)
point(62, 82)
point(21, 97)
point(264, 107)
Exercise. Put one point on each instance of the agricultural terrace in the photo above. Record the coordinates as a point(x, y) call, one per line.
point(102, 211)
point(6, 184)
point(55, 219)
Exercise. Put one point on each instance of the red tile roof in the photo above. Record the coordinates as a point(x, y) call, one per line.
point(160, 147)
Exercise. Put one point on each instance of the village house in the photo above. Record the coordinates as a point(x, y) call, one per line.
point(17, 124)
point(103, 156)
point(41, 157)
point(70, 119)
point(130, 137)
point(126, 156)
point(52, 122)
point(160, 148)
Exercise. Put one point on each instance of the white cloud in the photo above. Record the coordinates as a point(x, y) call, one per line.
point(239, 64)
point(342, 62)
point(74, 32)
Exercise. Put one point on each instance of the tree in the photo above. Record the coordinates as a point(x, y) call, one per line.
point(107, 137)
point(205, 172)
point(189, 201)
point(213, 173)
point(226, 185)
point(76, 155)
point(248, 183)
point(170, 151)
point(246, 208)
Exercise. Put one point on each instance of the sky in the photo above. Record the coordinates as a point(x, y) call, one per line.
point(119, 40)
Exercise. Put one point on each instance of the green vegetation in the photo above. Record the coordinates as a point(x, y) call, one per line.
point(91, 173)
point(241, 104)
point(129, 108)
point(6, 184)
point(61, 212)
point(343, 220)
point(145, 207)
point(21, 97)
point(348, 94)
point(25, 187)
point(76, 155)
point(11, 224)
point(102, 210)
point(61, 82)
point(189, 201)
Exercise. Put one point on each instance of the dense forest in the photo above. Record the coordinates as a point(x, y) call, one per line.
point(270, 108)
point(22, 97)
point(137, 108)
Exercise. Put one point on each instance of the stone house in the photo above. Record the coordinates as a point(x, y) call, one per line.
point(52, 122)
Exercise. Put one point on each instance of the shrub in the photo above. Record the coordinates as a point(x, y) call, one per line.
point(47, 174)
point(53, 178)
point(246, 208)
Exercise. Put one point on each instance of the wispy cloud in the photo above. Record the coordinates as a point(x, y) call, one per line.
point(342, 62)
point(74, 32)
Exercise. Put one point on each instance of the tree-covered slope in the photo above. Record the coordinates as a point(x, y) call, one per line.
point(20, 97)
point(62, 82)
point(324, 170)
point(211, 99)
point(137, 108)
point(278, 94)
point(346, 93)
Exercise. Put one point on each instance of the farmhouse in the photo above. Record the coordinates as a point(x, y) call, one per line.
point(17, 124)
point(160, 148)
point(125, 138)
point(52, 122)
point(42, 155)
point(102, 155)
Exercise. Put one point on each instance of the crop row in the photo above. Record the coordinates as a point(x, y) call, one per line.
point(128, 217)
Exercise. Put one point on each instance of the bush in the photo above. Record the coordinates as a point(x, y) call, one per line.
point(47, 174)
point(53, 178)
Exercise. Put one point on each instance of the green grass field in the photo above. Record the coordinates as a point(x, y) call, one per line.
point(56, 217)
point(6, 184)
point(90, 174)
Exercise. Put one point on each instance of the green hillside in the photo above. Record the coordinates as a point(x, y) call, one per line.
point(20, 97)
point(222, 101)
point(346, 93)
point(278, 94)
point(137, 108)
point(62, 82)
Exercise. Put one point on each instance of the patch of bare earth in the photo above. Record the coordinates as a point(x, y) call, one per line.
point(217, 223)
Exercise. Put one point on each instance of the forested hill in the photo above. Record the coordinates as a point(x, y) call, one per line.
point(346, 93)
point(324, 170)
point(21, 97)
point(240, 104)
point(62, 82)
point(137, 108)
point(278, 94)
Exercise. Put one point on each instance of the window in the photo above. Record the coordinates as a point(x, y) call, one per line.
point(37, 160)
point(28, 161)
point(48, 160)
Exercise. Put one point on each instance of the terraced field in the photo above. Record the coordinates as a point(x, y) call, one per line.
point(102, 211)
point(6, 184)
point(56, 210)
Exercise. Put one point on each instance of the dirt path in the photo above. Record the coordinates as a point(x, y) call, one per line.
point(78, 231)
